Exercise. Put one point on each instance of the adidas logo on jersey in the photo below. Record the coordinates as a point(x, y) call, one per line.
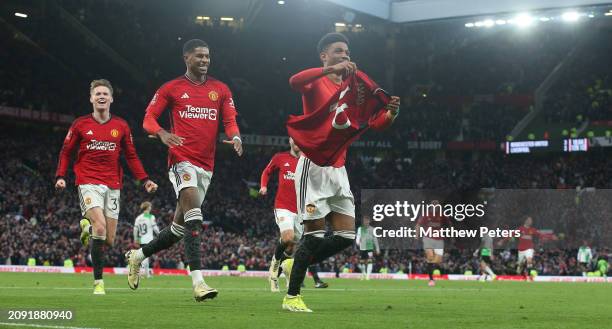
point(287, 164)
point(185, 96)
point(89, 133)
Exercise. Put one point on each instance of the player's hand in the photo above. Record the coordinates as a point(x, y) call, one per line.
point(237, 142)
point(150, 186)
point(344, 68)
point(60, 184)
point(263, 190)
point(171, 140)
point(393, 106)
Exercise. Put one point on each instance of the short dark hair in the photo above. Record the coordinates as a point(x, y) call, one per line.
point(100, 83)
point(192, 44)
point(330, 38)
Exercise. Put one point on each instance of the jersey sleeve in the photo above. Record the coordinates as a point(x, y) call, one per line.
point(381, 121)
point(156, 107)
point(228, 113)
point(268, 171)
point(131, 157)
point(70, 144)
point(302, 81)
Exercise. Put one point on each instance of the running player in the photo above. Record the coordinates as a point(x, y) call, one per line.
point(285, 212)
point(322, 184)
point(486, 255)
point(434, 245)
point(197, 103)
point(368, 244)
point(100, 139)
point(145, 229)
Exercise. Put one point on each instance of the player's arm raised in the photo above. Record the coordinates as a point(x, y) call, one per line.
point(301, 80)
point(228, 113)
point(154, 110)
point(133, 161)
point(70, 143)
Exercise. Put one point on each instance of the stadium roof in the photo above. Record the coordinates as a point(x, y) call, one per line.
point(422, 10)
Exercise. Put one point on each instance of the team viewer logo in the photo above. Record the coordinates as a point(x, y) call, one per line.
point(114, 132)
point(186, 177)
point(213, 96)
point(310, 209)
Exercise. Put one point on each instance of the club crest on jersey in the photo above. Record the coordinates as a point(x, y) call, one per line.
point(213, 95)
point(186, 177)
point(310, 208)
point(87, 200)
point(114, 132)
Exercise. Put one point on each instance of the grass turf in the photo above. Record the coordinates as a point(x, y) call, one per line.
point(166, 302)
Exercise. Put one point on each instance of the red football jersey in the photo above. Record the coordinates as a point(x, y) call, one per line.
point(525, 241)
point(284, 163)
point(435, 222)
point(100, 145)
point(324, 134)
point(196, 109)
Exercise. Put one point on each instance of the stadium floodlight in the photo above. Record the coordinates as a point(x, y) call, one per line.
point(358, 25)
point(591, 15)
point(340, 24)
point(608, 14)
point(488, 23)
point(501, 22)
point(22, 15)
point(544, 19)
point(570, 16)
point(228, 19)
point(469, 24)
point(202, 18)
point(281, 2)
point(523, 20)
point(479, 24)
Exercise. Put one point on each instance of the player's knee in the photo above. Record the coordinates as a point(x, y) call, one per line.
point(99, 230)
point(287, 237)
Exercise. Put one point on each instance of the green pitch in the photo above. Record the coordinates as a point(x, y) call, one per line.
point(166, 302)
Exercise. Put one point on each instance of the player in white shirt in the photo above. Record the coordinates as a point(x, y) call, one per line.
point(368, 244)
point(584, 257)
point(145, 229)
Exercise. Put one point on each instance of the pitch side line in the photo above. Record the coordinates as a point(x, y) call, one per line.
point(267, 289)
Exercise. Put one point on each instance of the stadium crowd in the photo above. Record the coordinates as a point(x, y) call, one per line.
point(36, 221)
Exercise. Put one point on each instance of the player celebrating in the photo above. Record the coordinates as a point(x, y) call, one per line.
point(526, 247)
point(100, 138)
point(434, 245)
point(322, 186)
point(197, 102)
point(145, 228)
point(285, 211)
point(367, 243)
